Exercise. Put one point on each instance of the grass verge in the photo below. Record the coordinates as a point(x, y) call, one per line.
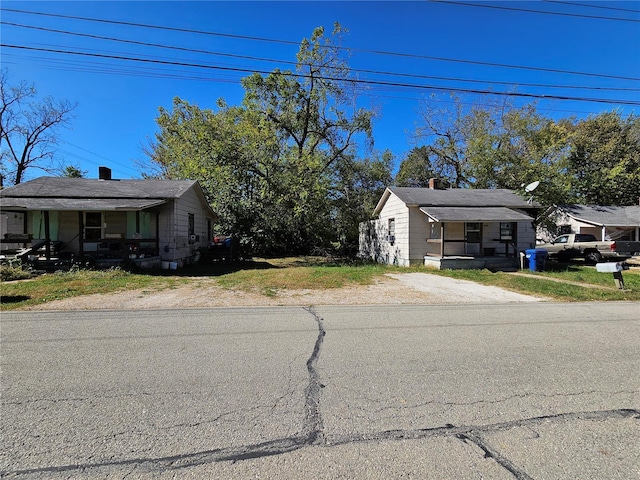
point(271, 276)
point(57, 286)
point(567, 284)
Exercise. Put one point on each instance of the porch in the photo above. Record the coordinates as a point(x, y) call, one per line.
point(466, 262)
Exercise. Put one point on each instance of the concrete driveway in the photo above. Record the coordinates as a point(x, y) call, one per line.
point(450, 290)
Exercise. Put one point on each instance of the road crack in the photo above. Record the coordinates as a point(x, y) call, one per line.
point(313, 427)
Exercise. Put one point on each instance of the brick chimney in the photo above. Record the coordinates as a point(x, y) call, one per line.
point(104, 173)
point(434, 184)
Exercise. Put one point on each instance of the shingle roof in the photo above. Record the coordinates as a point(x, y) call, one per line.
point(474, 214)
point(456, 197)
point(628, 216)
point(63, 193)
point(459, 197)
point(63, 187)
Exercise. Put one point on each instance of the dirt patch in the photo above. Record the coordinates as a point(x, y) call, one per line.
point(392, 289)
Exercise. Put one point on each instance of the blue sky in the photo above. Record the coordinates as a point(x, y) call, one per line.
point(487, 46)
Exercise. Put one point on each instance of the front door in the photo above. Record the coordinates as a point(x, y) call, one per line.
point(472, 236)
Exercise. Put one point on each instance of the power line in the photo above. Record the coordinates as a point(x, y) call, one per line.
point(590, 5)
point(375, 92)
point(286, 62)
point(353, 81)
point(544, 12)
point(348, 49)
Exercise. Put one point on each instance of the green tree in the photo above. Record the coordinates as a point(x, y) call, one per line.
point(270, 166)
point(519, 146)
point(73, 171)
point(416, 169)
point(605, 160)
point(497, 145)
point(28, 128)
point(317, 128)
point(357, 188)
point(445, 133)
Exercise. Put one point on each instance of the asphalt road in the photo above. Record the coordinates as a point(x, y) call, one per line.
point(541, 391)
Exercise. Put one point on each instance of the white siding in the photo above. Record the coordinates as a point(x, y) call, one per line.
point(174, 228)
point(11, 222)
point(418, 232)
point(376, 246)
point(526, 236)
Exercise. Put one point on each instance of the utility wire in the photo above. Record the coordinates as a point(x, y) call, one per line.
point(590, 5)
point(353, 81)
point(286, 62)
point(544, 12)
point(348, 49)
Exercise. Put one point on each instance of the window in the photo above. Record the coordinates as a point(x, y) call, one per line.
point(391, 230)
point(507, 231)
point(209, 230)
point(92, 225)
point(192, 224)
point(434, 230)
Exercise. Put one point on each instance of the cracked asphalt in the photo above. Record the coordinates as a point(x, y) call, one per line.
point(525, 391)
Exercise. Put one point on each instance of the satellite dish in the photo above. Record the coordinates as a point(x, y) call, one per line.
point(531, 187)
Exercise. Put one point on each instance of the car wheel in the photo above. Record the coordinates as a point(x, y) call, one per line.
point(594, 257)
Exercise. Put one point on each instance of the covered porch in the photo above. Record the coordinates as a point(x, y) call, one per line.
point(96, 232)
point(476, 237)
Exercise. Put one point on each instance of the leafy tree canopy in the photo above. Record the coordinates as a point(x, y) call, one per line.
point(280, 168)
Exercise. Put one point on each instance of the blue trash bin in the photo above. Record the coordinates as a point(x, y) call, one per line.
point(537, 258)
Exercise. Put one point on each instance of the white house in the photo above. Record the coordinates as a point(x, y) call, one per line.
point(605, 222)
point(452, 228)
point(106, 220)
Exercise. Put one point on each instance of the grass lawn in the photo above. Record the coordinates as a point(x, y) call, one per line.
point(567, 283)
point(270, 276)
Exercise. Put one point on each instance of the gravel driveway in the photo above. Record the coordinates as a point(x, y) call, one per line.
point(393, 289)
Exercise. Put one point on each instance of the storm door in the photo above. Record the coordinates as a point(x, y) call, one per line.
point(472, 237)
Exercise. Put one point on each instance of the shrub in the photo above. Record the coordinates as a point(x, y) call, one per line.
point(11, 272)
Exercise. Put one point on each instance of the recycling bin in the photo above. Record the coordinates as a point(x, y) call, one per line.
point(537, 257)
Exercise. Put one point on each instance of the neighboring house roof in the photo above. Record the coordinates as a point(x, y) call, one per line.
point(62, 193)
point(601, 216)
point(455, 197)
point(474, 214)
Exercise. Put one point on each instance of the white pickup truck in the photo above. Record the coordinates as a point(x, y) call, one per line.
point(582, 245)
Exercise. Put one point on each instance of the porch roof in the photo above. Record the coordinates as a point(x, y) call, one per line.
point(474, 214)
point(79, 204)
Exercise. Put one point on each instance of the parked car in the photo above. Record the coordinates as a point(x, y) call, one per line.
point(582, 245)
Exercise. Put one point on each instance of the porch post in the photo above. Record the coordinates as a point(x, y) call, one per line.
point(157, 234)
point(80, 235)
point(441, 239)
point(604, 230)
point(47, 235)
